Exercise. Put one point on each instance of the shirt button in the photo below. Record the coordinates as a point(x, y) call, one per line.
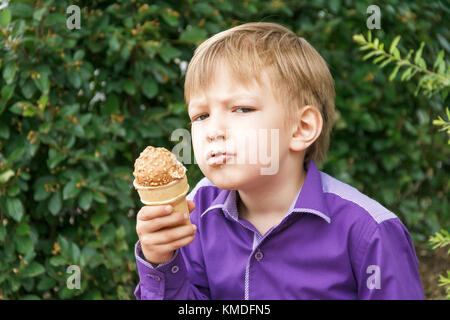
point(155, 277)
point(259, 255)
point(175, 269)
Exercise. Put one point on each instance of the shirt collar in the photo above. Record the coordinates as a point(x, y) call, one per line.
point(310, 198)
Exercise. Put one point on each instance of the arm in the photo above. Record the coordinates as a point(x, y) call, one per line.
point(389, 266)
point(183, 277)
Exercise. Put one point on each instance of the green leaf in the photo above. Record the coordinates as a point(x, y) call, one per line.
point(406, 74)
point(378, 59)
point(7, 92)
point(54, 158)
point(85, 200)
point(28, 89)
point(42, 102)
point(42, 82)
point(129, 87)
point(20, 9)
point(74, 253)
point(70, 190)
point(22, 108)
point(98, 219)
point(418, 54)
point(41, 189)
point(167, 52)
point(99, 197)
point(23, 229)
point(55, 19)
point(58, 261)
point(5, 176)
point(111, 105)
point(178, 108)
point(370, 54)
point(193, 35)
point(9, 72)
point(5, 17)
point(396, 53)
point(55, 203)
point(394, 44)
point(359, 38)
point(37, 15)
point(14, 208)
point(114, 43)
point(170, 17)
point(150, 88)
point(46, 283)
point(79, 55)
point(75, 78)
point(439, 59)
point(4, 134)
point(32, 270)
point(394, 73)
point(64, 244)
point(24, 244)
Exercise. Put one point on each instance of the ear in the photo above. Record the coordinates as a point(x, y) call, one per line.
point(306, 129)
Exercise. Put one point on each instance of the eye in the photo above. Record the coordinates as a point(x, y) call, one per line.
point(199, 118)
point(244, 109)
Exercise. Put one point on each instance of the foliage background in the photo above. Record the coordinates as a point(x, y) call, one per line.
point(77, 107)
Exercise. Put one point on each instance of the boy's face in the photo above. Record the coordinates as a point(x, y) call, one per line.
point(247, 124)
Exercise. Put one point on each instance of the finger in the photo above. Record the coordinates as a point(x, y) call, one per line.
point(169, 235)
point(172, 220)
point(191, 205)
point(178, 243)
point(151, 212)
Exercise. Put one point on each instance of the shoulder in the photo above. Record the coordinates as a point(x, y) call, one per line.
point(347, 202)
point(362, 217)
point(366, 222)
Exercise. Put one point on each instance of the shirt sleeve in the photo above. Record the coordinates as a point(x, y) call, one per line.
point(389, 266)
point(182, 278)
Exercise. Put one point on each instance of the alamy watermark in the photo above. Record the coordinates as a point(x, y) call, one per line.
point(374, 280)
point(374, 20)
point(247, 146)
point(74, 20)
point(73, 281)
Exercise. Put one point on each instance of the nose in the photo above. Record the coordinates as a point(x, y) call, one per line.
point(216, 129)
point(215, 135)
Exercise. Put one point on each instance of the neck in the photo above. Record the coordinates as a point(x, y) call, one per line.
point(272, 197)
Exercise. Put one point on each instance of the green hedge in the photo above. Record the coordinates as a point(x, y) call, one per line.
point(77, 107)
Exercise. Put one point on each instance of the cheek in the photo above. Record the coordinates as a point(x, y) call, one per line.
point(196, 135)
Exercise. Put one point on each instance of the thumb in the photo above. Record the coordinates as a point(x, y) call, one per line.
point(191, 205)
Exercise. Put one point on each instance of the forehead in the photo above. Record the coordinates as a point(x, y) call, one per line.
point(224, 86)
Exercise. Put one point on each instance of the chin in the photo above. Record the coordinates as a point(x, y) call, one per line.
point(230, 177)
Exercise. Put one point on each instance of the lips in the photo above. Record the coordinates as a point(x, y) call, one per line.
point(216, 158)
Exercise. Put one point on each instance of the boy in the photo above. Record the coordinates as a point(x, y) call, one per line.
point(295, 233)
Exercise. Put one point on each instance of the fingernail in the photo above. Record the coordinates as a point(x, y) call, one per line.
point(168, 209)
point(185, 216)
point(194, 226)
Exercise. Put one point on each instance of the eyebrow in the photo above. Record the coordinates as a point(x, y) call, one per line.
point(200, 103)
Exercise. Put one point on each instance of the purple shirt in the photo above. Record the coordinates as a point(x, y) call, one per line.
point(333, 243)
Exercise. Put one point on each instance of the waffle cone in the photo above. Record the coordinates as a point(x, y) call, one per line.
point(173, 193)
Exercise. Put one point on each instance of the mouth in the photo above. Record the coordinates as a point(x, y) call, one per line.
point(217, 158)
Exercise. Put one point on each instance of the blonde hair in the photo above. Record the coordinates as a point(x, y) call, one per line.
point(298, 74)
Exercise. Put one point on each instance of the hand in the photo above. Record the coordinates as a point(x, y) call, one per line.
point(161, 231)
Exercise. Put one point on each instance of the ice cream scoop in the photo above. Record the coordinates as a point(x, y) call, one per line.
point(161, 179)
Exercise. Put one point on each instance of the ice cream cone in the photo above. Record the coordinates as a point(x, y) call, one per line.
point(173, 193)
